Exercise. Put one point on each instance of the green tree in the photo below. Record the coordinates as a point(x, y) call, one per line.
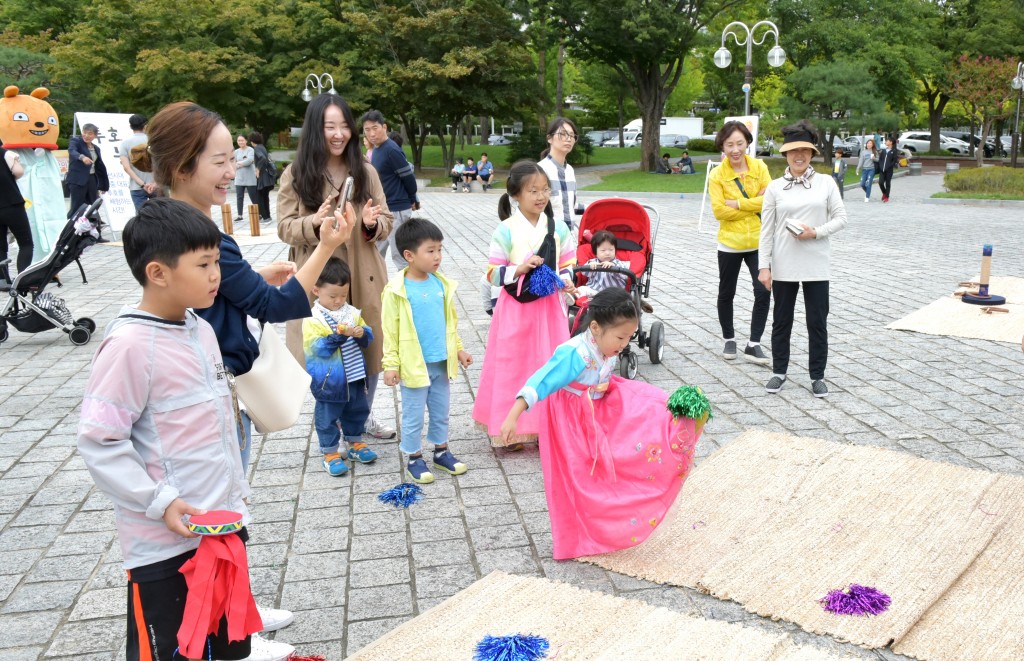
point(605, 96)
point(434, 62)
point(833, 95)
point(645, 42)
point(980, 84)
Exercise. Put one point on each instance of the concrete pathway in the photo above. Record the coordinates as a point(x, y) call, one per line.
point(351, 569)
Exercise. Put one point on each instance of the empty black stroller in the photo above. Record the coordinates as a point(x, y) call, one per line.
point(28, 307)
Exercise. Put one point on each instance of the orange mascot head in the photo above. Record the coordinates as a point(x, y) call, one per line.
point(28, 121)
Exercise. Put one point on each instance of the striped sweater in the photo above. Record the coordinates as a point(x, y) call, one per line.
point(332, 360)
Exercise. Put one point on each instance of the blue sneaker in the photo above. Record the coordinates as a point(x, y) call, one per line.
point(362, 453)
point(334, 464)
point(418, 471)
point(447, 462)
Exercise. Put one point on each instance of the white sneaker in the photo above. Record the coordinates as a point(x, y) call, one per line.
point(378, 429)
point(275, 618)
point(268, 650)
point(867, 199)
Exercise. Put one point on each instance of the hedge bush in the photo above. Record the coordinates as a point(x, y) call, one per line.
point(990, 181)
point(700, 144)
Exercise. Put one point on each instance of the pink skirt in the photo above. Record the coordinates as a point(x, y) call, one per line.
point(523, 336)
point(611, 470)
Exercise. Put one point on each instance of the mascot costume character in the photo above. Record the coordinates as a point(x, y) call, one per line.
point(29, 127)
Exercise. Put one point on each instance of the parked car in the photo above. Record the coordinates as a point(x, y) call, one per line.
point(597, 138)
point(498, 139)
point(851, 145)
point(766, 147)
point(674, 140)
point(918, 141)
point(629, 139)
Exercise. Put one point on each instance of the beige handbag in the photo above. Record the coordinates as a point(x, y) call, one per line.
point(274, 390)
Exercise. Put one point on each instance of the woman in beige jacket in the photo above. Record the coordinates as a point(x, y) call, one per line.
point(328, 152)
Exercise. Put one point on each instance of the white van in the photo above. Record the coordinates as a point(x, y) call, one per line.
point(630, 138)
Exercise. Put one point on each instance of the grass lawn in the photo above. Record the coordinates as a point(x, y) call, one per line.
point(978, 196)
point(499, 155)
point(633, 181)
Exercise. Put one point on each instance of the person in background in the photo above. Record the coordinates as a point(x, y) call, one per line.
point(396, 177)
point(140, 184)
point(839, 170)
point(562, 137)
point(736, 188)
point(245, 176)
point(456, 173)
point(87, 175)
point(685, 164)
point(468, 175)
point(866, 165)
point(799, 214)
point(485, 172)
point(266, 175)
point(12, 211)
point(887, 160)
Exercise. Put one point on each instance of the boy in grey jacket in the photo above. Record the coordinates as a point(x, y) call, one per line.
point(157, 429)
point(839, 170)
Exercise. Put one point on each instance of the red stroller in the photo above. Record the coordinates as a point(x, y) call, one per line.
point(630, 222)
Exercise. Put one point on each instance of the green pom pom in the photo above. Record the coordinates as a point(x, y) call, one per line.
point(689, 402)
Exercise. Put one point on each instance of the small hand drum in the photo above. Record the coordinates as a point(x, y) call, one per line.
point(215, 522)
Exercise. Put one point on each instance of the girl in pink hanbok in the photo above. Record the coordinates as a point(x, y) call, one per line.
point(613, 456)
point(525, 329)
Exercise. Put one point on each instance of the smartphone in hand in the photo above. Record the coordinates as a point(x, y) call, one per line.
point(346, 196)
point(794, 228)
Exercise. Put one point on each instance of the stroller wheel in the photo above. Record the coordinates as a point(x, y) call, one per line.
point(4, 334)
point(86, 322)
point(79, 335)
point(628, 365)
point(657, 342)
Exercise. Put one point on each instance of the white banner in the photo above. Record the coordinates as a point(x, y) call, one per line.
point(752, 122)
point(113, 130)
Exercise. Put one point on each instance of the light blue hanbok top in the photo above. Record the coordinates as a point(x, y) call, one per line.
point(577, 366)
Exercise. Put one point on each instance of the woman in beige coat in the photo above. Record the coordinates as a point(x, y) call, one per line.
point(328, 152)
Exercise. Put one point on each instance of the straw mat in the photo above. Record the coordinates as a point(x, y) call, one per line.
point(578, 624)
point(951, 316)
point(774, 522)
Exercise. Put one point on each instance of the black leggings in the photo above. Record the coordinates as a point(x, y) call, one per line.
point(263, 195)
point(885, 182)
point(15, 219)
point(729, 264)
point(816, 309)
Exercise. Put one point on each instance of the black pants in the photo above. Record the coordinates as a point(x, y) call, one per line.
point(80, 195)
point(729, 264)
point(15, 219)
point(240, 197)
point(263, 200)
point(885, 182)
point(816, 308)
point(841, 184)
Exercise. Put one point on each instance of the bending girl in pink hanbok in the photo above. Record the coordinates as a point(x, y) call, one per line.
point(613, 457)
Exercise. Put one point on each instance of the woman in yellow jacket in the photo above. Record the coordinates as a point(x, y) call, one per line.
point(736, 188)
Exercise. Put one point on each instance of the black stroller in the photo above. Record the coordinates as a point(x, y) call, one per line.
point(28, 307)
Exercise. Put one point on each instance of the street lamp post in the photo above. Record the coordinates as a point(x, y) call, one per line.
point(776, 56)
point(1018, 84)
point(319, 83)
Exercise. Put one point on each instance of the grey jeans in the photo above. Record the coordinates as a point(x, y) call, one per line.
point(382, 245)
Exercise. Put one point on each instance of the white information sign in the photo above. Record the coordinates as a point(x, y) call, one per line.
point(113, 130)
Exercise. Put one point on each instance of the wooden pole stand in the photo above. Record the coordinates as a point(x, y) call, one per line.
point(254, 220)
point(225, 215)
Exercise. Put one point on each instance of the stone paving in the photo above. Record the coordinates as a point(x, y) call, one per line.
point(351, 569)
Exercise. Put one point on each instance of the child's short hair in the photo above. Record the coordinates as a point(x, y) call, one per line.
point(412, 233)
point(336, 272)
point(162, 231)
point(611, 306)
point(603, 236)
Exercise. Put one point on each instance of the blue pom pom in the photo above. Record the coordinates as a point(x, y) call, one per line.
point(511, 648)
point(401, 496)
point(544, 281)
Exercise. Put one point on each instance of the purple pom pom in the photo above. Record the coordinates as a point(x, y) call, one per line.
point(856, 600)
point(511, 648)
point(544, 281)
point(401, 496)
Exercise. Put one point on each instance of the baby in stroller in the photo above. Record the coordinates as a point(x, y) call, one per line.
point(604, 244)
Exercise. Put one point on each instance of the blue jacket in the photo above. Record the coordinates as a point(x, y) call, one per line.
point(244, 292)
point(396, 175)
point(78, 172)
point(325, 361)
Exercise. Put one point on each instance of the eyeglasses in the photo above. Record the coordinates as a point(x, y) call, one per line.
point(567, 136)
point(544, 192)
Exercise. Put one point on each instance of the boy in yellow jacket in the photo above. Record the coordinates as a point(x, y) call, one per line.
point(422, 347)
